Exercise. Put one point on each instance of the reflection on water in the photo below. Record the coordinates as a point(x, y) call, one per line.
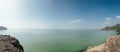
point(58, 40)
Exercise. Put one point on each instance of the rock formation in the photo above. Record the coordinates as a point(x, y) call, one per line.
point(3, 28)
point(111, 45)
point(10, 44)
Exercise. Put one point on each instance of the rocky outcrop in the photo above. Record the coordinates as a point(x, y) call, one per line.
point(111, 45)
point(10, 44)
point(3, 28)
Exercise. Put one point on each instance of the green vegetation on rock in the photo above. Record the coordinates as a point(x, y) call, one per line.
point(115, 27)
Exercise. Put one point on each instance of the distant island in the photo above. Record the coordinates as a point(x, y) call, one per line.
point(3, 28)
point(115, 27)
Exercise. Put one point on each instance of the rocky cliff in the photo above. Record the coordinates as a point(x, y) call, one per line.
point(111, 45)
point(10, 44)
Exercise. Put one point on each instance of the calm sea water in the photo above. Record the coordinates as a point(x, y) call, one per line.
point(58, 40)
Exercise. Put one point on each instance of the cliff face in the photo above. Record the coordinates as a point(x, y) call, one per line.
point(9, 44)
point(111, 45)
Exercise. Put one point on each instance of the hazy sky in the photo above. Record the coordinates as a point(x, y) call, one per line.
point(59, 14)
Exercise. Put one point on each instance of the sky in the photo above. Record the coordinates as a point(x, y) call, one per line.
point(59, 14)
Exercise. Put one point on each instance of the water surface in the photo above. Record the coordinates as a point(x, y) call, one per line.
point(36, 40)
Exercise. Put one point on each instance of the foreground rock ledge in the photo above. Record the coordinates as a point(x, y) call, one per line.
point(111, 45)
point(10, 44)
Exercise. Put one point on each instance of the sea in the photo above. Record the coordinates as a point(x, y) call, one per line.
point(58, 40)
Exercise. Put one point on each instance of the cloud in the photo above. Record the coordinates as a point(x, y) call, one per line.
point(109, 18)
point(111, 21)
point(73, 24)
point(118, 17)
point(107, 23)
point(75, 21)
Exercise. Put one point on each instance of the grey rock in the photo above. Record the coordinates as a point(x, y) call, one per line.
point(10, 44)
